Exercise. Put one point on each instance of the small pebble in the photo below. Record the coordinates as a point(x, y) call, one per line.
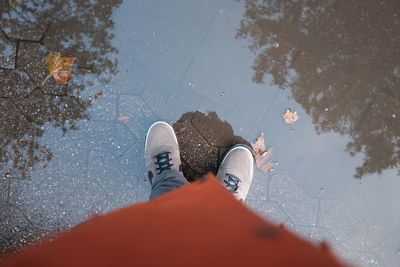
point(394, 116)
point(326, 109)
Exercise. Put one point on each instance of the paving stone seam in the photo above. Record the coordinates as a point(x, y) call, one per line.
point(199, 46)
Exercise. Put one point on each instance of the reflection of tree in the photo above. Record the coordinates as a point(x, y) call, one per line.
point(341, 60)
point(29, 31)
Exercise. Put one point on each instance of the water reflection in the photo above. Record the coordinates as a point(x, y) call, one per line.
point(341, 60)
point(28, 101)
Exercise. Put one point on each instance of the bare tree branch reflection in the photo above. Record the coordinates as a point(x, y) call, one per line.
point(341, 59)
point(28, 31)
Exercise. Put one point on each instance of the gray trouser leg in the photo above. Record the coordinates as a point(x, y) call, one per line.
point(167, 181)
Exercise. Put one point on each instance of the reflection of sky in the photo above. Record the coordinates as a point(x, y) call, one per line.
point(185, 57)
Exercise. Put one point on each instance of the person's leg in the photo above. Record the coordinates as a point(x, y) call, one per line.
point(166, 182)
point(163, 160)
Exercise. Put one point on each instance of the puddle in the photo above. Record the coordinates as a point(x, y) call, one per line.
point(222, 72)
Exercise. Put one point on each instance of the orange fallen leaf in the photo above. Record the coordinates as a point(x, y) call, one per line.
point(263, 158)
point(99, 94)
point(124, 118)
point(59, 67)
point(290, 116)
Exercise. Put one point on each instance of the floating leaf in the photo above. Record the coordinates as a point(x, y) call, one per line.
point(59, 67)
point(99, 94)
point(124, 118)
point(290, 116)
point(259, 146)
point(263, 158)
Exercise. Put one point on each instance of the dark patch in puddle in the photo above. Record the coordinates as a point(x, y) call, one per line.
point(203, 140)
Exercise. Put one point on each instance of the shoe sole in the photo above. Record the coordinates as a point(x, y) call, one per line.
point(154, 124)
point(243, 147)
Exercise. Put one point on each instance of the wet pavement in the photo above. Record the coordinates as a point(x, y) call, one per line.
point(222, 72)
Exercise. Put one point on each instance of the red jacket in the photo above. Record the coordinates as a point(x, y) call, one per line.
point(200, 224)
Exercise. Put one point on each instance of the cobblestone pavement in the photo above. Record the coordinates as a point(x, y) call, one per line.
point(236, 66)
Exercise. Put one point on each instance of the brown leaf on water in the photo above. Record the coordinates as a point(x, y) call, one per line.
point(124, 118)
point(59, 67)
point(263, 158)
point(259, 145)
point(290, 116)
point(99, 94)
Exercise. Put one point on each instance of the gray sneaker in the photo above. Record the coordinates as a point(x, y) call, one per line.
point(236, 171)
point(161, 150)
